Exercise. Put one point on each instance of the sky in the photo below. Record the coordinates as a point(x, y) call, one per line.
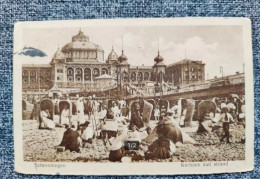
point(214, 45)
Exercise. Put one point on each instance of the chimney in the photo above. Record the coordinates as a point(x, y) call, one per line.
point(237, 73)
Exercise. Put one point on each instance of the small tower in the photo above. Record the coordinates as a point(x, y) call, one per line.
point(159, 68)
point(58, 70)
point(123, 68)
point(112, 57)
point(58, 57)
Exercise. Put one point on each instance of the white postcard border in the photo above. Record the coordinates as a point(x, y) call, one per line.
point(146, 168)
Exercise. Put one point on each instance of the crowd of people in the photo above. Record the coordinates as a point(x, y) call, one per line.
point(156, 123)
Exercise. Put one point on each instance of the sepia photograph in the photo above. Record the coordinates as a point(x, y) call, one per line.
point(133, 93)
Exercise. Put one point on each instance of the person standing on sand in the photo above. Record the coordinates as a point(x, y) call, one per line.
point(226, 119)
point(65, 115)
point(157, 113)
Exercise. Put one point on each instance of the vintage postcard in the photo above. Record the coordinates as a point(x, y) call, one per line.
point(133, 96)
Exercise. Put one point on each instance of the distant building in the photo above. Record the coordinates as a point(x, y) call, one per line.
point(186, 72)
point(80, 62)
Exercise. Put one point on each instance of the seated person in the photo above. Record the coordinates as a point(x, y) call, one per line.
point(116, 110)
point(87, 133)
point(103, 112)
point(161, 148)
point(109, 126)
point(46, 122)
point(71, 139)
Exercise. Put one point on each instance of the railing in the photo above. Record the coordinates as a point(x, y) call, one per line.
point(184, 89)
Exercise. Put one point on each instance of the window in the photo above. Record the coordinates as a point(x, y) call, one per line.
point(70, 79)
point(58, 78)
point(95, 71)
point(59, 71)
point(25, 80)
point(25, 73)
point(78, 72)
point(32, 73)
point(70, 72)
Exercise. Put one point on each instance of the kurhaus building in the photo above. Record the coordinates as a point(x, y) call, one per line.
point(80, 63)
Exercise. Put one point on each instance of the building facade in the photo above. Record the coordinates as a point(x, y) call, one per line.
point(80, 62)
point(186, 72)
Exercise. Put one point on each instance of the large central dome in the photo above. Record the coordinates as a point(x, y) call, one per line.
point(81, 42)
point(80, 49)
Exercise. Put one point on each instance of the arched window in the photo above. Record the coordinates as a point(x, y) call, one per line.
point(25, 73)
point(133, 76)
point(139, 76)
point(104, 71)
point(96, 73)
point(32, 73)
point(78, 74)
point(70, 74)
point(146, 76)
point(87, 74)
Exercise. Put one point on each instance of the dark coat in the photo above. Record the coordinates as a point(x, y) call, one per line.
point(136, 117)
point(70, 141)
point(88, 106)
point(115, 155)
point(159, 149)
point(169, 131)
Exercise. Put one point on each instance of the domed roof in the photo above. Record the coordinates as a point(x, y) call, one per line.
point(158, 58)
point(122, 57)
point(81, 42)
point(112, 55)
point(80, 37)
point(58, 54)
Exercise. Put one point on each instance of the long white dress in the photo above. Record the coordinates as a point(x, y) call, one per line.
point(116, 111)
point(80, 111)
point(65, 116)
point(46, 122)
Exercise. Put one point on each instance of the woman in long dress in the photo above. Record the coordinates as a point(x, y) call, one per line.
point(80, 111)
point(46, 122)
point(65, 115)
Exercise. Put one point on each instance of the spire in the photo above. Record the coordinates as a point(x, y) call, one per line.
point(122, 45)
point(158, 58)
point(80, 37)
point(158, 46)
